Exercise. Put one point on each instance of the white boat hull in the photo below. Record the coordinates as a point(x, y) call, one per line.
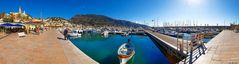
point(125, 60)
point(105, 33)
point(74, 34)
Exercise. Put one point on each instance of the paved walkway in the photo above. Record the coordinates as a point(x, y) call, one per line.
point(2, 35)
point(222, 49)
point(40, 49)
point(74, 54)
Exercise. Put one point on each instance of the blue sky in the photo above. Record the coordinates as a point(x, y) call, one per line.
point(173, 11)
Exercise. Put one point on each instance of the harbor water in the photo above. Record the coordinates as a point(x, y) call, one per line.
point(104, 49)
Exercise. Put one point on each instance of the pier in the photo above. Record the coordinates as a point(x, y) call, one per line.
point(222, 49)
point(46, 48)
point(177, 50)
point(170, 45)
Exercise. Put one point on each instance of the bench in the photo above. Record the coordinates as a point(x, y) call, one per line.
point(21, 34)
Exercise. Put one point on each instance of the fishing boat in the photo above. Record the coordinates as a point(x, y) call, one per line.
point(125, 52)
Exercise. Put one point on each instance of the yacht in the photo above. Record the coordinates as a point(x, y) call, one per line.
point(125, 52)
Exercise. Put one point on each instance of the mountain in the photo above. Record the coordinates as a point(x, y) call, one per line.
point(101, 20)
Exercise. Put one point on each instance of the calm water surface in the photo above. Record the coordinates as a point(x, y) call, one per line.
point(104, 49)
point(187, 36)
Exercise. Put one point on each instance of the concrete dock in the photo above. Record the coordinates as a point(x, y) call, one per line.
point(171, 41)
point(46, 48)
point(222, 49)
point(169, 46)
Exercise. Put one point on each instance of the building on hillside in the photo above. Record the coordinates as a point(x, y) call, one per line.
point(35, 25)
point(20, 16)
point(30, 24)
point(17, 17)
point(58, 23)
point(2, 16)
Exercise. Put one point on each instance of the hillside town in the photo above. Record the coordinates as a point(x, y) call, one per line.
point(24, 22)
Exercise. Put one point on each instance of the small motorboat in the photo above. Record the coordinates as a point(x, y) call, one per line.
point(125, 52)
point(105, 33)
point(75, 33)
point(125, 34)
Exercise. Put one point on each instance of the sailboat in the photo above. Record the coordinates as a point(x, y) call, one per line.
point(125, 52)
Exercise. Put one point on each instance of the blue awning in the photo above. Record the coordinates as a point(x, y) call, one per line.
point(11, 24)
point(18, 25)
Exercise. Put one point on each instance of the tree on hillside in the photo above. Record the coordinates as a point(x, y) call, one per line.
point(56, 18)
point(2, 15)
point(7, 20)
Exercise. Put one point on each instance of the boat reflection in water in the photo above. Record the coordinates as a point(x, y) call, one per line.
point(126, 52)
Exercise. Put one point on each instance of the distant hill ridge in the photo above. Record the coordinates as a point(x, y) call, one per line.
point(101, 20)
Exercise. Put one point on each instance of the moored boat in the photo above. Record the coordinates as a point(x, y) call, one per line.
point(125, 52)
point(75, 33)
point(105, 33)
point(125, 34)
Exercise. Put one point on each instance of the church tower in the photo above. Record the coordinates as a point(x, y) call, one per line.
point(24, 12)
point(20, 9)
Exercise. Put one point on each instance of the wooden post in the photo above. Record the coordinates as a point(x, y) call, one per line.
point(202, 44)
point(187, 44)
point(177, 41)
point(181, 46)
point(191, 53)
